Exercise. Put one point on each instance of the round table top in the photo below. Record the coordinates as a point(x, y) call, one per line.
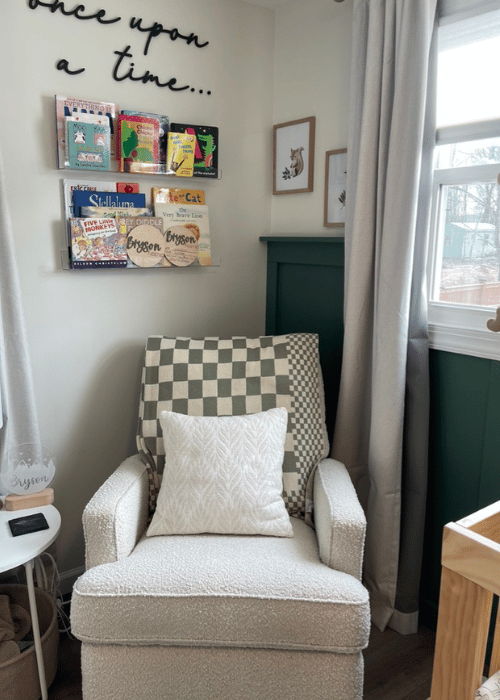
point(15, 551)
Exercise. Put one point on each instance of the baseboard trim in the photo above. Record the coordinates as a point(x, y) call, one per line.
point(67, 580)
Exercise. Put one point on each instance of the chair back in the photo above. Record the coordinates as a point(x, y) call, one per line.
point(238, 376)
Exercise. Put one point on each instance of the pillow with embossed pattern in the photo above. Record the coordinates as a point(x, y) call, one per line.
point(223, 474)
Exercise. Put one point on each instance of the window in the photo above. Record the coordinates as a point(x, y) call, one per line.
point(464, 268)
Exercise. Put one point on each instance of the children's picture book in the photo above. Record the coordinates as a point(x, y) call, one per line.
point(174, 195)
point(187, 233)
point(138, 142)
point(97, 243)
point(145, 241)
point(106, 199)
point(100, 119)
point(114, 212)
point(180, 154)
point(206, 153)
point(88, 145)
point(72, 107)
point(163, 121)
point(128, 187)
point(69, 186)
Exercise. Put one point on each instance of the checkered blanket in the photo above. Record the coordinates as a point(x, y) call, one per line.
point(237, 376)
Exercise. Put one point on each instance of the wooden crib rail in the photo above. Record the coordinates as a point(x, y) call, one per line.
point(470, 576)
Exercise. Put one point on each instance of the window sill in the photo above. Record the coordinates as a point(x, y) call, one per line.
point(464, 331)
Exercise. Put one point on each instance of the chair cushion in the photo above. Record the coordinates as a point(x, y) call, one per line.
point(222, 475)
point(223, 590)
point(237, 376)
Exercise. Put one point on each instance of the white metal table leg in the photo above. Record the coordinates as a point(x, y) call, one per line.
point(36, 629)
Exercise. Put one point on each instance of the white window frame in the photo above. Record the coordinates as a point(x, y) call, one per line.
point(460, 328)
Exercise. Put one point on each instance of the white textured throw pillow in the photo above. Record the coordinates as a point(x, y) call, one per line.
point(223, 475)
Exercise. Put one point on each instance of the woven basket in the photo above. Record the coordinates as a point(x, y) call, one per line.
point(19, 675)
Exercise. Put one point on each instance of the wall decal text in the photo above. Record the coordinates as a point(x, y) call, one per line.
point(59, 5)
point(63, 64)
point(156, 29)
point(124, 72)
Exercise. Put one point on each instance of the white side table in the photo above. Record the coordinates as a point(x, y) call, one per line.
point(15, 551)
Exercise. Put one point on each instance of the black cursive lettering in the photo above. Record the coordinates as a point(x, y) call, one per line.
point(142, 246)
point(63, 64)
point(147, 77)
point(157, 28)
point(76, 11)
point(180, 240)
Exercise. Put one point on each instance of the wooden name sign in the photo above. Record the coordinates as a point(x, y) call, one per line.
point(182, 244)
point(145, 245)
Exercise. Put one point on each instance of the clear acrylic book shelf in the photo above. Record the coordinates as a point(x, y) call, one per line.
point(171, 230)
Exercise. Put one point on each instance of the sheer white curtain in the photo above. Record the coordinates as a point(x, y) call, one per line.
point(18, 422)
point(382, 420)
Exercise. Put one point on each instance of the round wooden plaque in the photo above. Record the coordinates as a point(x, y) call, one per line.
point(182, 245)
point(145, 245)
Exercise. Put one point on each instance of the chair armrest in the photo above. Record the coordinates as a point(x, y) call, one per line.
point(339, 519)
point(117, 514)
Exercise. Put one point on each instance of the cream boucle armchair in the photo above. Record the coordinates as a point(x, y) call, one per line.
point(226, 617)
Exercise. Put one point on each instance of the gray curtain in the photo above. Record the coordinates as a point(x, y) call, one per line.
point(382, 419)
point(18, 417)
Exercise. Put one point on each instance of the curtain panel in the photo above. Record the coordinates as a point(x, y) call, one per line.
point(19, 421)
point(382, 420)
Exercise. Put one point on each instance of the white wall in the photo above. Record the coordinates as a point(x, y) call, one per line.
point(87, 329)
point(311, 77)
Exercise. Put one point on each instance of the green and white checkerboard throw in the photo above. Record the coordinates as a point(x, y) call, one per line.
point(238, 376)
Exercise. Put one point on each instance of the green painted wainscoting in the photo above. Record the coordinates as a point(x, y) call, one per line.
point(305, 280)
point(464, 454)
point(305, 292)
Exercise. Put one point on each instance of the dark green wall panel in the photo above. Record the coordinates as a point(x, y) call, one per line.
point(305, 279)
point(305, 293)
point(464, 454)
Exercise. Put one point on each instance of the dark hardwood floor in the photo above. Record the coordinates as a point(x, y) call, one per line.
point(399, 667)
point(67, 684)
point(396, 667)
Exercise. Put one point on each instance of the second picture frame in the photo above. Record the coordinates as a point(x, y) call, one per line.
point(335, 187)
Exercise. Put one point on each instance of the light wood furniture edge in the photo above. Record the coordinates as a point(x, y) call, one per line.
point(470, 577)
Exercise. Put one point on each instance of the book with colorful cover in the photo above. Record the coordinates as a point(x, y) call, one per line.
point(145, 241)
point(174, 195)
point(187, 233)
point(71, 107)
point(114, 212)
point(128, 187)
point(88, 145)
point(138, 142)
point(206, 154)
point(100, 119)
point(106, 199)
point(180, 154)
point(70, 186)
point(163, 132)
point(97, 243)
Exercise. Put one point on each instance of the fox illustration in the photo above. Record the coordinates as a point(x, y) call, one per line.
point(297, 164)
